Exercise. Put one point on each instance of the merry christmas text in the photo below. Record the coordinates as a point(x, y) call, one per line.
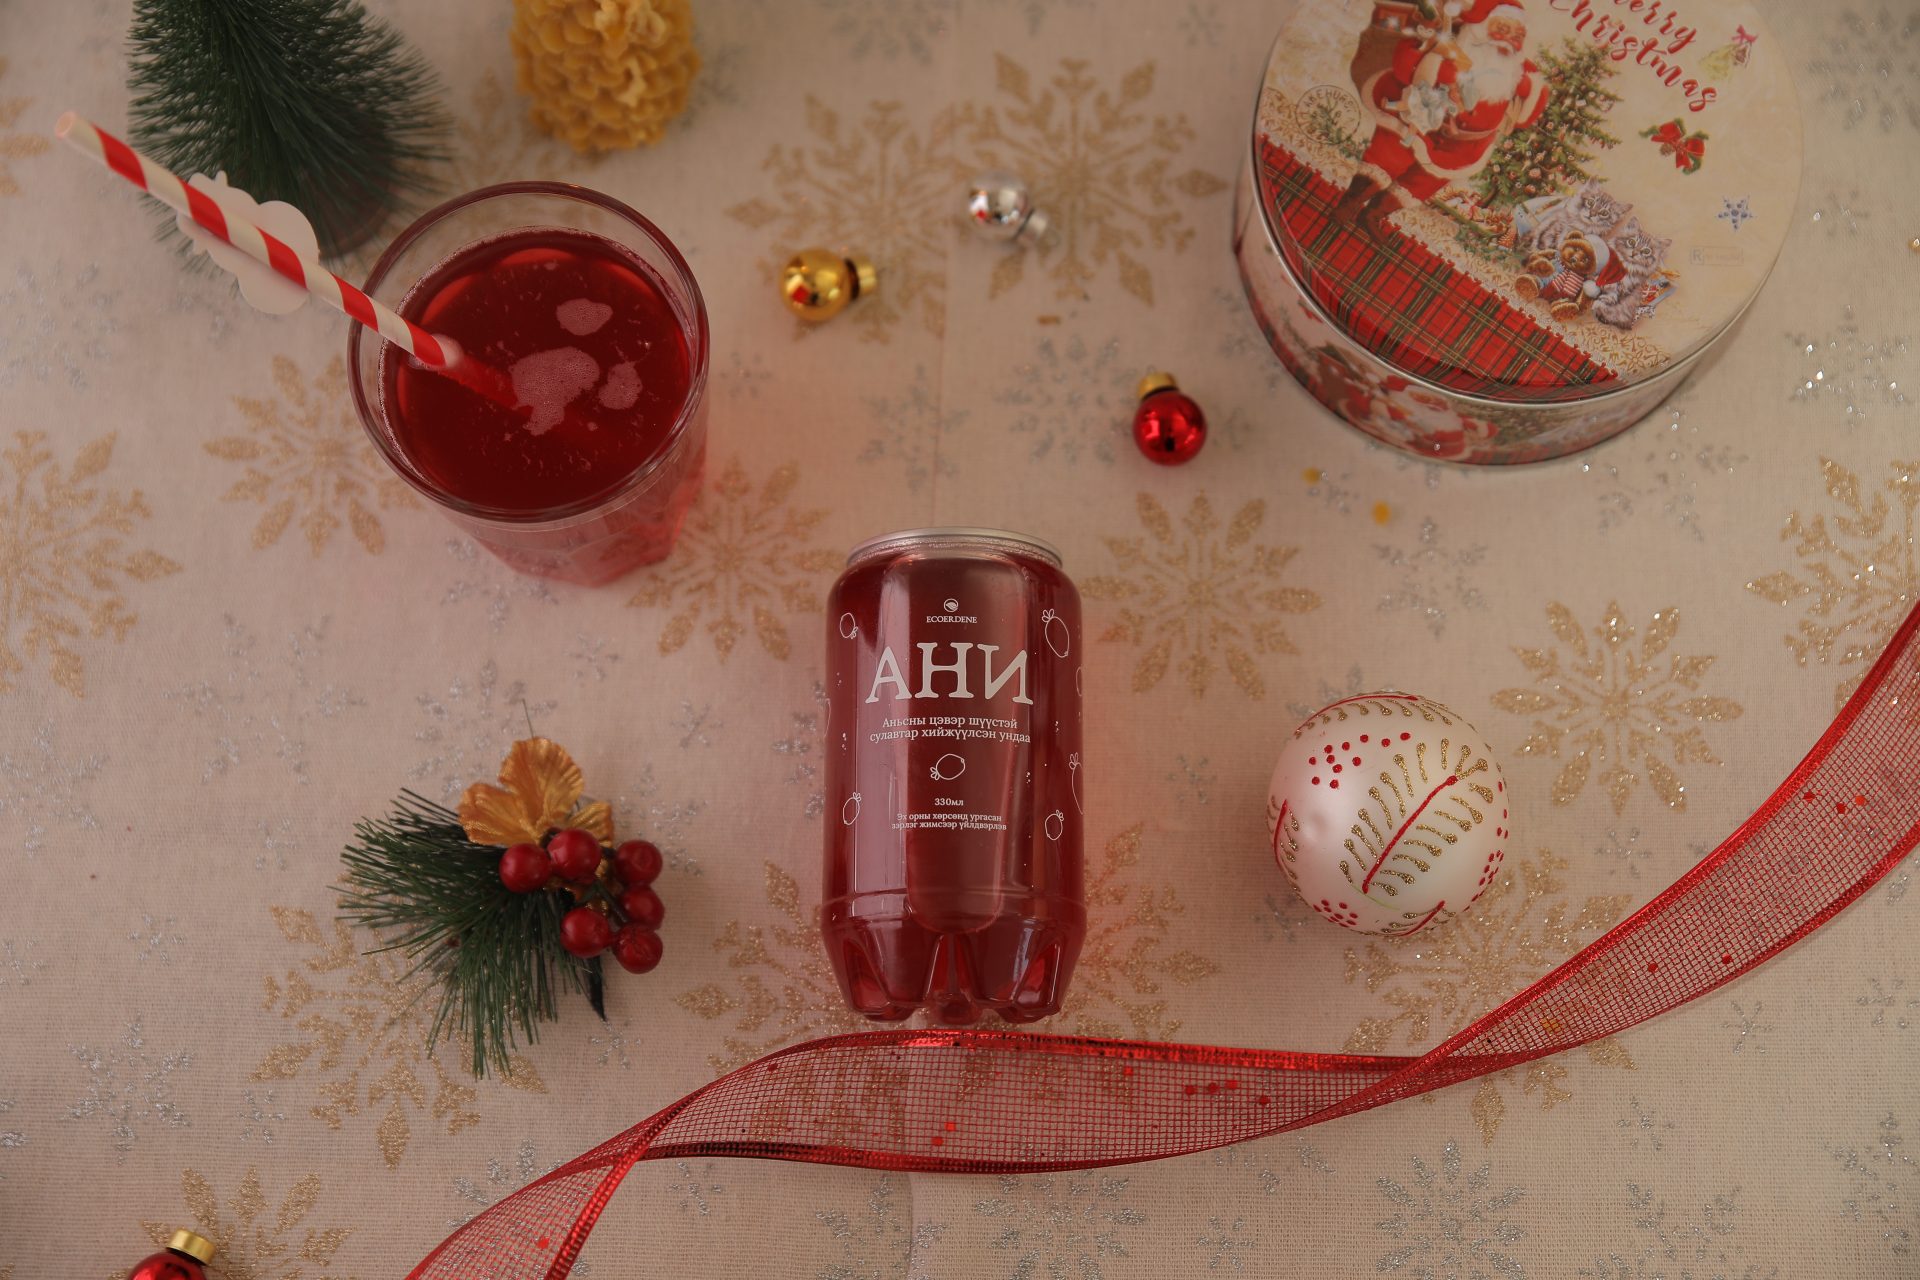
point(1655, 48)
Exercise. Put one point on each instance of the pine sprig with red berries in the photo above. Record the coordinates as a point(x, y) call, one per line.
point(504, 930)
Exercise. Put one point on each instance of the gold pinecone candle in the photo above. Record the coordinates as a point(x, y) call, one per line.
point(605, 74)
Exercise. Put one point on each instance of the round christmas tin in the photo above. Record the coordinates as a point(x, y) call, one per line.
point(1498, 231)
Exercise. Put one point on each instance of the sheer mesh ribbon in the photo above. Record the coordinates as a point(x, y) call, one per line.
point(1005, 1101)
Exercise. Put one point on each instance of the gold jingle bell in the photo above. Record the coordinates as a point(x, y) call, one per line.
point(817, 284)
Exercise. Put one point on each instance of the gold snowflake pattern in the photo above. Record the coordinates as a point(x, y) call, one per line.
point(879, 186)
point(742, 561)
point(362, 1027)
point(1610, 704)
point(496, 141)
point(306, 456)
point(1436, 984)
point(1857, 575)
point(257, 1241)
point(1103, 164)
point(784, 991)
point(1128, 962)
point(64, 559)
point(14, 145)
point(1193, 593)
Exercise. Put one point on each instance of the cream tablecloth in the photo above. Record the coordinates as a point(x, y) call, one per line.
point(244, 638)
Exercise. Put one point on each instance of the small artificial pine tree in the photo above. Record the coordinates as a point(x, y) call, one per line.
point(308, 101)
point(1552, 155)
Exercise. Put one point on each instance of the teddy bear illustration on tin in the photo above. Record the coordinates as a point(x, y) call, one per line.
point(1567, 280)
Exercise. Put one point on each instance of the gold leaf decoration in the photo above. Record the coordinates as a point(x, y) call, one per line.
point(540, 785)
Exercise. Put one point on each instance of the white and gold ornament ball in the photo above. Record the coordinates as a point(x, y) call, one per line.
point(1388, 813)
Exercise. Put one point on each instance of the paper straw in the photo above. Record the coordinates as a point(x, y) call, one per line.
point(163, 185)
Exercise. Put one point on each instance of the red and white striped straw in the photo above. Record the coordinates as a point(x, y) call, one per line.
point(163, 185)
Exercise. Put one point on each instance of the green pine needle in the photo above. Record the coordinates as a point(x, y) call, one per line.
point(417, 881)
point(308, 101)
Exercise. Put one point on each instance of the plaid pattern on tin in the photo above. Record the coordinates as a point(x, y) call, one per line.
point(1412, 307)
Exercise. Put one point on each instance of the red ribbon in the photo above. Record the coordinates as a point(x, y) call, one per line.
point(1011, 1102)
point(1688, 152)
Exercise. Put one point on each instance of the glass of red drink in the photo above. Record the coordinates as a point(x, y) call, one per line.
point(574, 438)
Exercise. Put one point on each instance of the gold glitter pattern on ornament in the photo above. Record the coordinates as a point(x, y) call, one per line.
point(1199, 596)
point(257, 1240)
point(306, 458)
point(361, 1040)
point(1104, 161)
point(1437, 982)
point(1856, 574)
point(741, 562)
point(64, 558)
point(878, 187)
point(1618, 712)
point(15, 145)
point(605, 74)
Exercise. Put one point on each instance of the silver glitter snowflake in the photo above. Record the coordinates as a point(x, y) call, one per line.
point(1432, 578)
point(1448, 1221)
point(55, 323)
point(1869, 69)
point(1193, 778)
point(1667, 1243)
point(264, 703)
point(911, 428)
point(155, 939)
point(1893, 1006)
point(805, 752)
point(1660, 471)
point(493, 584)
point(1839, 211)
point(615, 1044)
point(888, 28)
point(129, 1085)
point(1852, 369)
point(1226, 1244)
point(1645, 1125)
point(593, 661)
point(880, 1242)
point(1071, 401)
point(1062, 1224)
point(502, 1179)
point(276, 838)
point(40, 786)
point(258, 1116)
point(10, 1139)
point(1201, 24)
point(694, 1191)
point(16, 966)
point(1883, 1187)
point(697, 725)
point(642, 812)
point(1749, 1031)
point(466, 730)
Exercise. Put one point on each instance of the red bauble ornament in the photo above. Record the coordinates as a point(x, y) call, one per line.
point(584, 932)
point(643, 907)
point(575, 854)
point(525, 867)
point(637, 949)
point(182, 1259)
point(637, 862)
point(1168, 426)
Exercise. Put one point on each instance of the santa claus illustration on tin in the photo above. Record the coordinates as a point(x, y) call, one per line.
point(1443, 96)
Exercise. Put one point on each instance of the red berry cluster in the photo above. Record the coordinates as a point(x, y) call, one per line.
point(626, 921)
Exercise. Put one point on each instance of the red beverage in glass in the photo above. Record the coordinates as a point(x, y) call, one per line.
point(953, 878)
point(572, 439)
